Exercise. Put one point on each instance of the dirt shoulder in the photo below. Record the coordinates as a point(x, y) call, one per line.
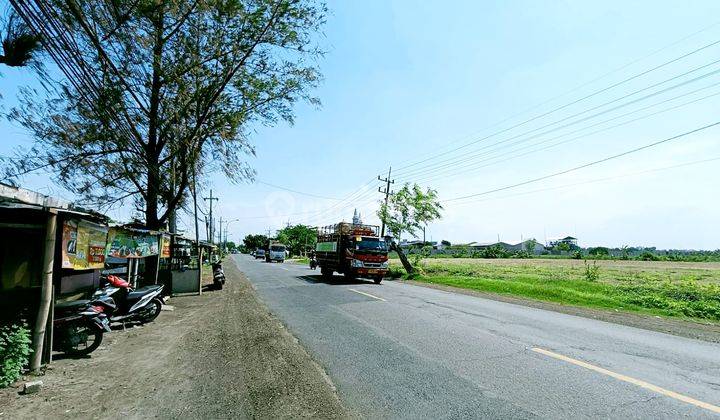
point(684, 328)
point(219, 355)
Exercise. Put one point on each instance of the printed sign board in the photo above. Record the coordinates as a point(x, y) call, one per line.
point(83, 245)
point(326, 247)
point(123, 243)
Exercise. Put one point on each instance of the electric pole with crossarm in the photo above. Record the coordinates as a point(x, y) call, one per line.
point(212, 227)
point(387, 182)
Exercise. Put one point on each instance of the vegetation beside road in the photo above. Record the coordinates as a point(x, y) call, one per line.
point(660, 288)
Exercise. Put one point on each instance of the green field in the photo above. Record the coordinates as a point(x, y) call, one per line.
point(678, 289)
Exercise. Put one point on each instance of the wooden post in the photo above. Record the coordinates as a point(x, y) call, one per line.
point(200, 252)
point(46, 292)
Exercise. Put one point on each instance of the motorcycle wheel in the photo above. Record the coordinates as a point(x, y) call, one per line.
point(80, 339)
point(151, 311)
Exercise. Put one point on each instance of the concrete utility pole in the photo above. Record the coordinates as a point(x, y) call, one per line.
point(387, 193)
point(212, 230)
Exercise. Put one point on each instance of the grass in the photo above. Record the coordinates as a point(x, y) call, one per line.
point(660, 288)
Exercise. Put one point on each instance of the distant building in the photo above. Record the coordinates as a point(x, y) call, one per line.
point(357, 220)
point(570, 240)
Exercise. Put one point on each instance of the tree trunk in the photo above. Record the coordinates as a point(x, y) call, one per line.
point(403, 259)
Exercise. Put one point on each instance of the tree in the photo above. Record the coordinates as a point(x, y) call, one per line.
point(407, 211)
point(19, 44)
point(253, 242)
point(298, 238)
point(530, 245)
point(157, 90)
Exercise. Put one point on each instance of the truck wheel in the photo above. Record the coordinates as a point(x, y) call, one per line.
point(326, 272)
point(378, 280)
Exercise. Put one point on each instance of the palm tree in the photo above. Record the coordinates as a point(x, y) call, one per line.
point(19, 43)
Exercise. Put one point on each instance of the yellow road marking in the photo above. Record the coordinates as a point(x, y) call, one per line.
point(368, 295)
point(628, 379)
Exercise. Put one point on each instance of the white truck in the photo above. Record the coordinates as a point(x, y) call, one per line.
point(275, 252)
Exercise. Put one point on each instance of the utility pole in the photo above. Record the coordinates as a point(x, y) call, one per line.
point(207, 229)
point(220, 233)
point(212, 231)
point(387, 182)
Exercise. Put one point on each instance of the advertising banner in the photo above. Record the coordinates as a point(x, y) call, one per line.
point(165, 247)
point(124, 243)
point(83, 245)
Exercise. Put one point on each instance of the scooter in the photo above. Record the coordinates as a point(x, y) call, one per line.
point(218, 275)
point(79, 325)
point(143, 304)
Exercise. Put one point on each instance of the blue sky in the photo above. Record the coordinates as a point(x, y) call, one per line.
point(407, 82)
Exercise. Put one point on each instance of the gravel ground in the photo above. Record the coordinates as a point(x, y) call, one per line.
point(219, 355)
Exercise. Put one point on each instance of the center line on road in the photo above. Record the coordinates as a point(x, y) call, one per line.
point(368, 295)
point(628, 379)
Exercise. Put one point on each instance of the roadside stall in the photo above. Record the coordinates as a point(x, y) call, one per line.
point(130, 252)
point(185, 266)
point(49, 251)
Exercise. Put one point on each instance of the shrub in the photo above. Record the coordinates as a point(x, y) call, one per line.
point(14, 352)
point(592, 272)
point(495, 251)
point(577, 255)
point(648, 256)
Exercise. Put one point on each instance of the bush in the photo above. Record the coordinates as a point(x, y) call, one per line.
point(14, 352)
point(592, 272)
point(495, 251)
point(648, 256)
point(577, 255)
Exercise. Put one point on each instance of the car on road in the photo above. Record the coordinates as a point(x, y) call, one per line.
point(259, 254)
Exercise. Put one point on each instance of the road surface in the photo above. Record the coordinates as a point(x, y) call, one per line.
point(402, 351)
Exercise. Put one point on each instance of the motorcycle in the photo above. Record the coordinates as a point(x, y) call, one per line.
point(218, 275)
point(313, 263)
point(143, 304)
point(79, 325)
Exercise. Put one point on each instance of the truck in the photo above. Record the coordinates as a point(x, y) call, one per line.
point(275, 251)
point(354, 250)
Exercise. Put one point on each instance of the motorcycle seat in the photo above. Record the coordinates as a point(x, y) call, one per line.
point(73, 304)
point(138, 293)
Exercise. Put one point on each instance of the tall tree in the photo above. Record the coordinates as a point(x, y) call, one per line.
point(298, 238)
point(252, 242)
point(158, 89)
point(407, 211)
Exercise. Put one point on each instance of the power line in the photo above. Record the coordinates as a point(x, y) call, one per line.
point(592, 181)
point(474, 166)
point(538, 105)
point(451, 161)
point(637, 149)
point(597, 92)
point(296, 191)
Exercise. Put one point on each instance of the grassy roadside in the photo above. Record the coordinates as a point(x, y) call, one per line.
point(691, 290)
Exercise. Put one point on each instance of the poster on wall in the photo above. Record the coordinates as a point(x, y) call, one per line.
point(122, 243)
point(165, 246)
point(83, 245)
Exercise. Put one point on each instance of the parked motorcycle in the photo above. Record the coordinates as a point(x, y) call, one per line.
point(143, 304)
point(79, 325)
point(218, 275)
point(313, 263)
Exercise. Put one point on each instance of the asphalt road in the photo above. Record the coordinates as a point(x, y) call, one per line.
point(402, 351)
